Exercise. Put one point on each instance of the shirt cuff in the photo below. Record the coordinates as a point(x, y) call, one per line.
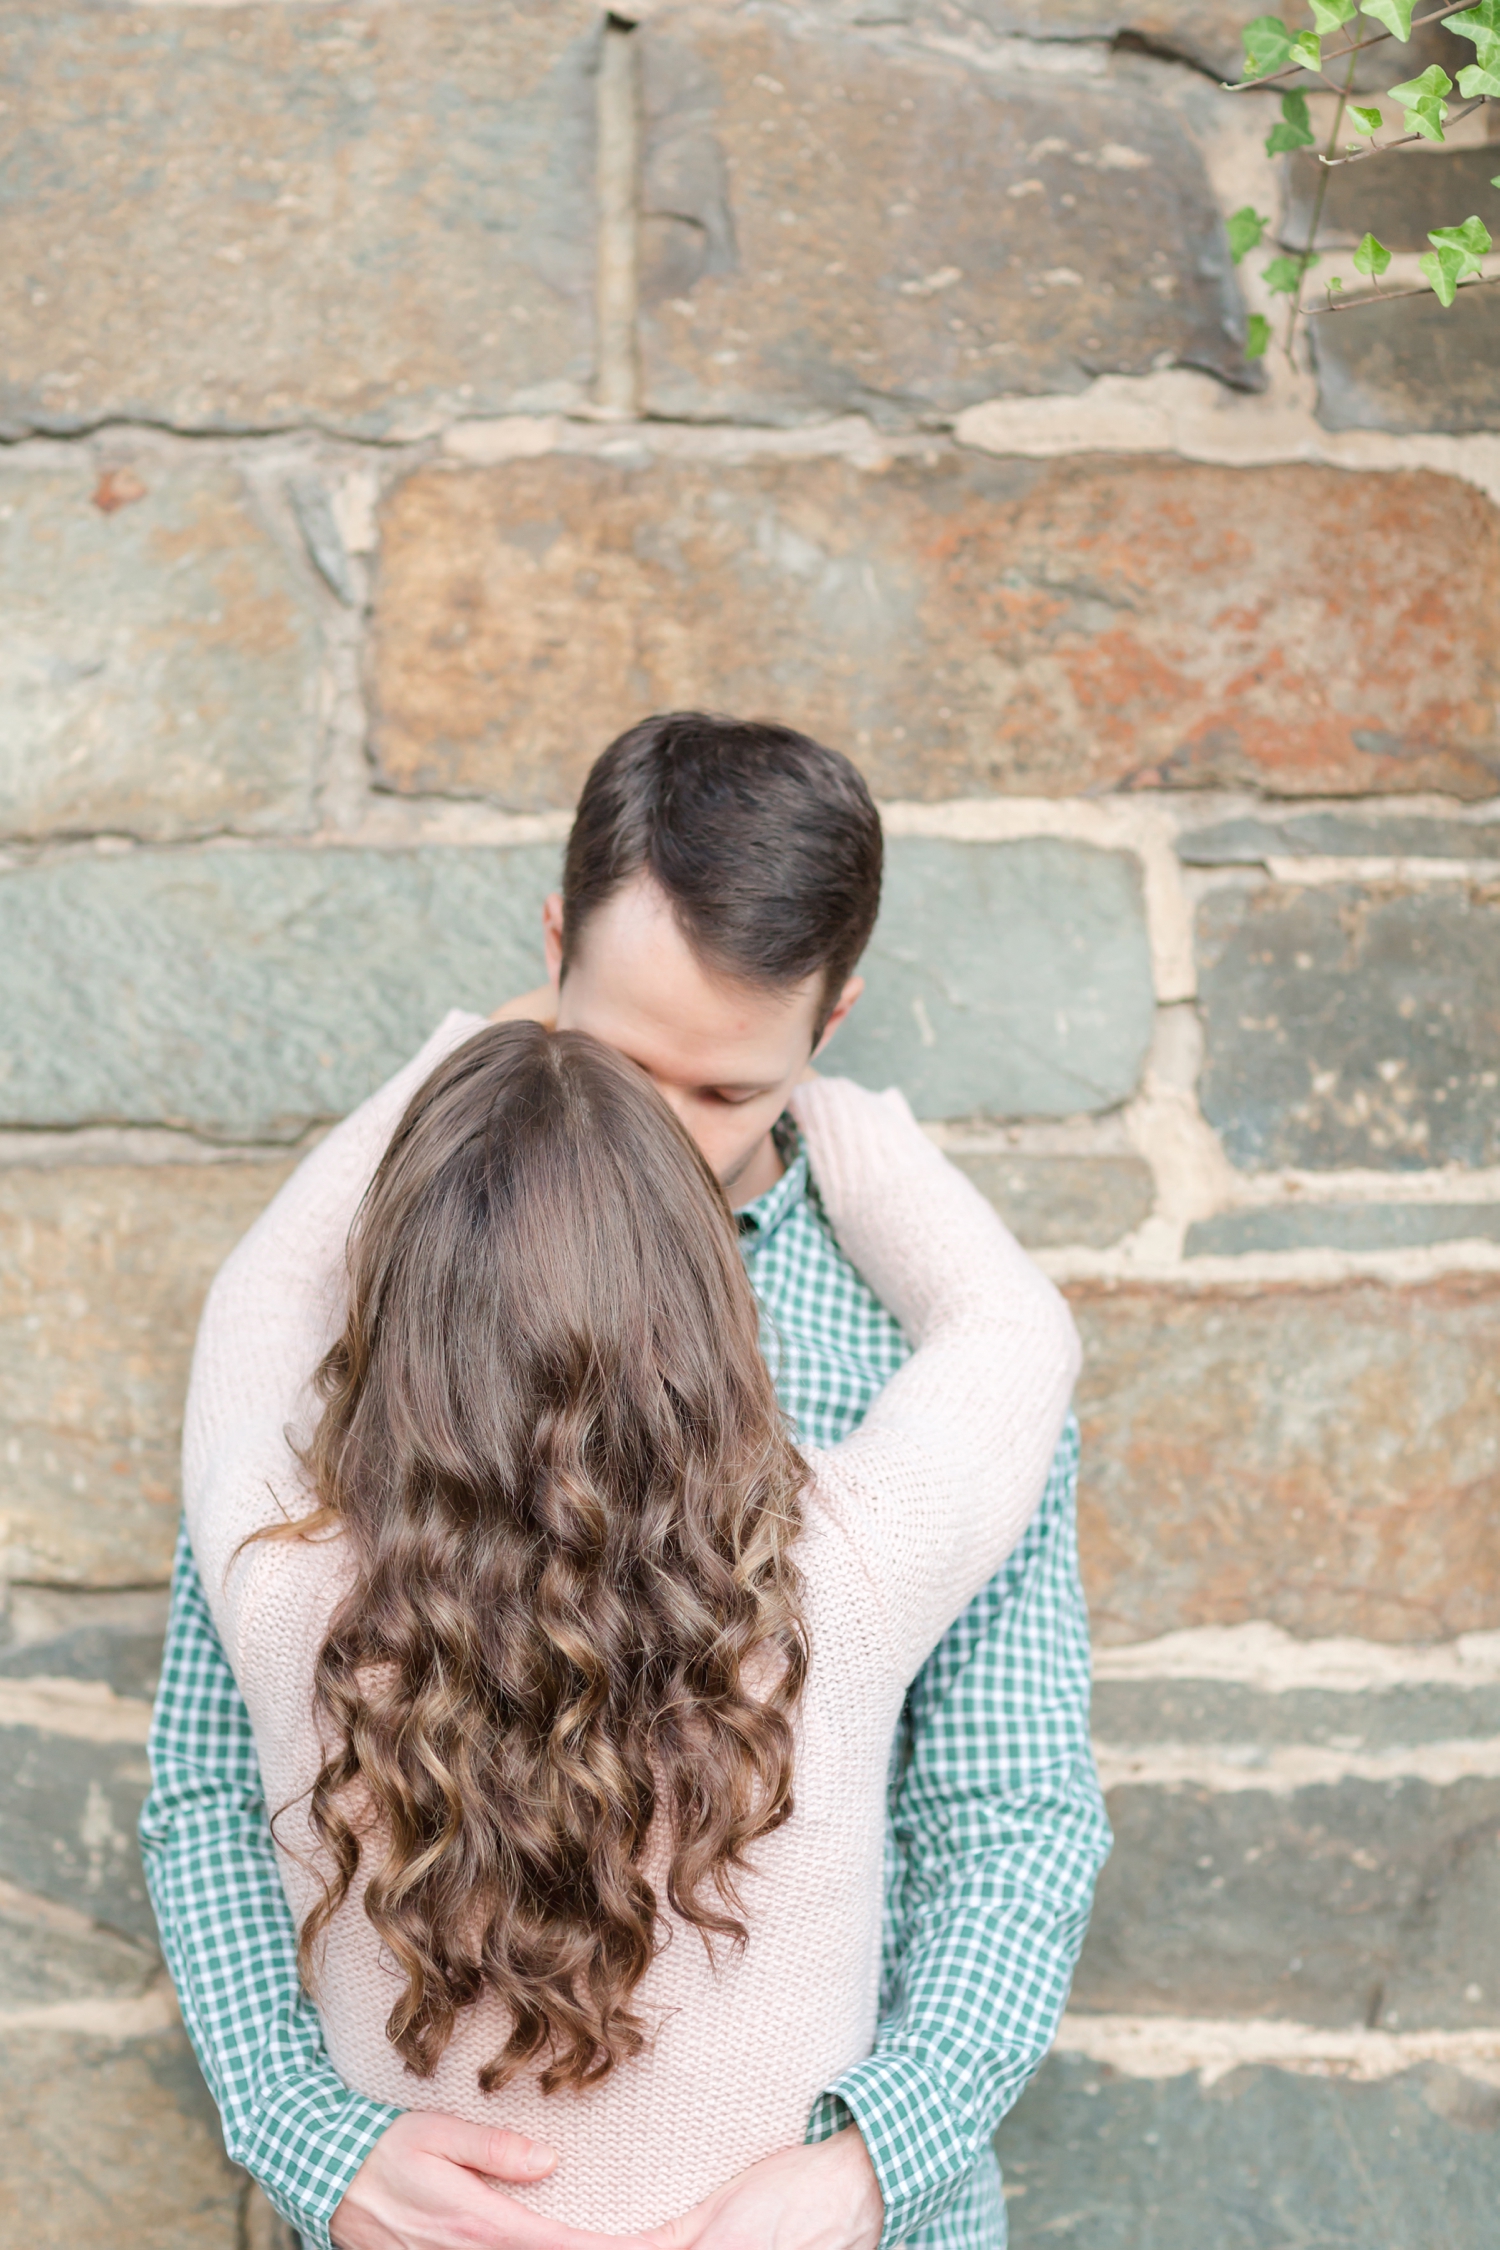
point(906, 2121)
point(306, 2147)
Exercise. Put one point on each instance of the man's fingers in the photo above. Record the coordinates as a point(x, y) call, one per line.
point(491, 2149)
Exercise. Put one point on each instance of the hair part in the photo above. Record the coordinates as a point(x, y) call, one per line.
point(551, 1442)
point(766, 844)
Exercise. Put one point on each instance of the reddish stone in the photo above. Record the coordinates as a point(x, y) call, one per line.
point(1325, 1458)
point(961, 624)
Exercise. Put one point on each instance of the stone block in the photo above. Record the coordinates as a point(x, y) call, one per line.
point(69, 1633)
point(50, 1955)
point(1342, 1226)
point(1206, 35)
point(1050, 1200)
point(1355, 1903)
point(835, 224)
point(369, 218)
point(102, 1273)
point(69, 1831)
point(1247, 1722)
point(246, 994)
point(1415, 365)
point(1327, 1459)
point(960, 624)
point(1259, 2160)
point(116, 2145)
point(1012, 980)
point(1397, 202)
point(1250, 840)
point(160, 668)
point(1352, 1024)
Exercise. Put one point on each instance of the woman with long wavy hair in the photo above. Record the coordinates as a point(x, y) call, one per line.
point(574, 1682)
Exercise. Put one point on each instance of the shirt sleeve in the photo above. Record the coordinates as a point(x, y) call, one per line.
point(228, 1936)
point(998, 1832)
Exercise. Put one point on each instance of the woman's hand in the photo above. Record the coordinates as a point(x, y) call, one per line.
point(823, 2197)
point(431, 2183)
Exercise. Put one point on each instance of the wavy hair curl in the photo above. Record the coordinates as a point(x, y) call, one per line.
point(573, 1645)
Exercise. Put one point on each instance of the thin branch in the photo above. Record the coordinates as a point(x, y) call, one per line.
point(1317, 210)
point(1389, 296)
point(1383, 148)
point(1296, 70)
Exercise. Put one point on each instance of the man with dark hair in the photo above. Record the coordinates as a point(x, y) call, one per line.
point(720, 883)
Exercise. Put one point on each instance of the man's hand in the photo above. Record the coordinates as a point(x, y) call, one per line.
point(821, 2198)
point(430, 2183)
point(539, 1006)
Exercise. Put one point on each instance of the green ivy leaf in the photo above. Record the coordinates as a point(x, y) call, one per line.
point(1283, 276)
point(1371, 257)
point(1475, 22)
point(1295, 129)
point(1471, 241)
point(1428, 119)
point(1441, 268)
point(1267, 45)
point(1394, 14)
point(1329, 14)
point(1244, 228)
point(1433, 80)
point(1370, 120)
point(1474, 79)
point(1257, 336)
point(1306, 49)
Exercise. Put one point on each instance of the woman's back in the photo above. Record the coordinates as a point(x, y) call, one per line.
point(900, 1527)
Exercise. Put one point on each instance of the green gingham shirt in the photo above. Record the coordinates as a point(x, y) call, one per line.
point(996, 1832)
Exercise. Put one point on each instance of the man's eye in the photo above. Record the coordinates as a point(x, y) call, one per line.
point(732, 1101)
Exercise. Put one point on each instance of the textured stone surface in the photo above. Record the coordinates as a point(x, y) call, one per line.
point(69, 1828)
point(246, 993)
point(1249, 1721)
point(112, 2145)
point(52, 1632)
point(832, 223)
point(1264, 2160)
point(1415, 365)
point(959, 625)
point(368, 217)
point(1208, 35)
point(1325, 1458)
point(1343, 1226)
point(1047, 1200)
point(1355, 1903)
point(159, 669)
point(1352, 1024)
point(1046, 1007)
point(1397, 202)
point(50, 1954)
point(1248, 840)
point(102, 1273)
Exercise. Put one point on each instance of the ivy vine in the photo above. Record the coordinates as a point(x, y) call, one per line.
point(1275, 51)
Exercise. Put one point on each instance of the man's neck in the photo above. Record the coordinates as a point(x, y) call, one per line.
point(761, 1171)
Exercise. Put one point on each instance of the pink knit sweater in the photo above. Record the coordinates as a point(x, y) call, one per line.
point(904, 1522)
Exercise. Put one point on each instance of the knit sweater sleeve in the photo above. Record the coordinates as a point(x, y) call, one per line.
point(275, 1306)
point(942, 1478)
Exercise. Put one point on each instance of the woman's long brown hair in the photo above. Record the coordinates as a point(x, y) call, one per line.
point(551, 1442)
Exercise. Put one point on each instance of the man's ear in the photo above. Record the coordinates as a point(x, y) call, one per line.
point(552, 929)
point(839, 1010)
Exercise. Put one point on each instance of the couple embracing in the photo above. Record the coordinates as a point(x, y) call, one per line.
point(622, 1765)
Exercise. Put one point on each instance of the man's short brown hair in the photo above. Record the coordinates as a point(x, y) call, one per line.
point(767, 844)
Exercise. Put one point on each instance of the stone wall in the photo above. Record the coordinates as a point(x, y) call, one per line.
point(323, 576)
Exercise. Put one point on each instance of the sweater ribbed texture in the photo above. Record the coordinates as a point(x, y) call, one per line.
point(904, 1523)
